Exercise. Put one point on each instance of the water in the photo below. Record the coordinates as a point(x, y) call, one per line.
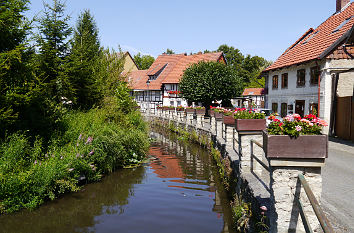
point(176, 191)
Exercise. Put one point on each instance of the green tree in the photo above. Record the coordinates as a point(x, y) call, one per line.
point(85, 52)
point(208, 81)
point(248, 67)
point(53, 48)
point(143, 61)
point(233, 56)
point(169, 51)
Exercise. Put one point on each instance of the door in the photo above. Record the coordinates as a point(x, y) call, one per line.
point(299, 107)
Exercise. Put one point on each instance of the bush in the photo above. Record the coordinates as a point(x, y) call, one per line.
point(89, 147)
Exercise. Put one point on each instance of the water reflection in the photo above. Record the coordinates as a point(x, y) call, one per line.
point(177, 191)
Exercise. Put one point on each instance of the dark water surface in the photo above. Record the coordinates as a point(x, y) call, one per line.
point(178, 190)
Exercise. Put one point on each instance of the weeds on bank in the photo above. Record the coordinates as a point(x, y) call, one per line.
point(90, 146)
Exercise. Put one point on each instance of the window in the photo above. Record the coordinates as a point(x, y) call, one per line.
point(275, 107)
point(300, 78)
point(284, 109)
point(313, 109)
point(178, 103)
point(284, 80)
point(314, 72)
point(275, 82)
point(310, 37)
point(342, 24)
point(172, 103)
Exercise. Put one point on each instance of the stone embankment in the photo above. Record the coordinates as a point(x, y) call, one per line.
point(274, 185)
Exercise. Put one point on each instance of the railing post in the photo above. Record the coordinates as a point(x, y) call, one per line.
point(286, 188)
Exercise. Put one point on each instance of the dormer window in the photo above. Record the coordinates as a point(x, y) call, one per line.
point(156, 71)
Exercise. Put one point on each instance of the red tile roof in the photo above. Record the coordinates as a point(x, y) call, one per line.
point(315, 43)
point(171, 73)
point(253, 91)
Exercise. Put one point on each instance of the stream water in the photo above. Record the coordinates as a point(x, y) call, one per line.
point(178, 190)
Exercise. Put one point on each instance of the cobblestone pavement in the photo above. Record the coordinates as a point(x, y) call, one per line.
point(338, 185)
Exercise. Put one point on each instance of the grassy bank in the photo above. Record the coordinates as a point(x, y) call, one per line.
point(87, 146)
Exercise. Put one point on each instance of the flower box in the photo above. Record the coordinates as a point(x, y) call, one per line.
point(250, 124)
point(165, 108)
point(211, 113)
point(200, 111)
point(190, 110)
point(303, 146)
point(229, 120)
point(218, 115)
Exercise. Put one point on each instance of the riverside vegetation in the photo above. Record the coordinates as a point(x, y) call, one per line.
point(66, 117)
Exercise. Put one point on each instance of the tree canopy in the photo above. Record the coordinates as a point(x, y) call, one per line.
point(143, 61)
point(248, 67)
point(209, 81)
point(81, 63)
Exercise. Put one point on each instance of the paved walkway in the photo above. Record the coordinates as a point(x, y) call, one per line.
point(338, 185)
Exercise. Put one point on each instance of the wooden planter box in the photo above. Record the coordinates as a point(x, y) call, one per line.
point(165, 108)
point(229, 120)
point(200, 111)
point(304, 146)
point(211, 113)
point(180, 110)
point(250, 124)
point(190, 110)
point(218, 115)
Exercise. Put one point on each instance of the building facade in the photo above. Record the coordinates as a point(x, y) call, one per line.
point(307, 77)
point(159, 85)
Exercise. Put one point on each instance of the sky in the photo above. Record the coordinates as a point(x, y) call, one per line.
point(257, 27)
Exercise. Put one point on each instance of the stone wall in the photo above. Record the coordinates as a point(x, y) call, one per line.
point(274, 187)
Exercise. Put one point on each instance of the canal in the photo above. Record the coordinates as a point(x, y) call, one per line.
point(176, 190)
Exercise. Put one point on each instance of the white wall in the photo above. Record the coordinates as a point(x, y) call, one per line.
point(172, 98)
point(289, 95)
point(309, 92)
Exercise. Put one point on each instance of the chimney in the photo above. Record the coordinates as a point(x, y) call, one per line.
point(341, 4)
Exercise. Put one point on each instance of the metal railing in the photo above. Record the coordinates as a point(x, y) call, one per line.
point(326, 226)
point(253, 156)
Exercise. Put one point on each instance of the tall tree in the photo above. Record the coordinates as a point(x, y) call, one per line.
point(209, 81)
point(81, 63)
point(53, 48)
point(143, 61)
point(15, 74)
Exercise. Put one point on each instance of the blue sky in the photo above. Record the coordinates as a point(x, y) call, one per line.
point(258, 27)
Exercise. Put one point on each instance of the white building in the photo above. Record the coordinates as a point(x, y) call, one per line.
point(159, 84)
point(308, 76)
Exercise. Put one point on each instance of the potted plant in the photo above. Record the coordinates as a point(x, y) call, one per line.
point(200, 110)
point(218, 112)
point(296, 137)
point(180, 108)
point(249, 120)
point(190, 110)
point(228, 118)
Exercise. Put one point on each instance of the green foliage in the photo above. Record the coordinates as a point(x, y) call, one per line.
point(53, 47)
point(169, 51)
point(91, 146)
point(248, 114)
point(81, 62)
point(143, 61)
point(248, 67)
point(208, 81)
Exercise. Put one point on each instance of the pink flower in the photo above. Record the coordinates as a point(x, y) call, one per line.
point(89, 140)
point(71, 169)
point(35, 162)
point(264, 208)
point(298, 128)
point(91, 152)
